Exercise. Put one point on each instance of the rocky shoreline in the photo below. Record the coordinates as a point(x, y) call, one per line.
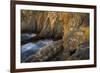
point(56, 52)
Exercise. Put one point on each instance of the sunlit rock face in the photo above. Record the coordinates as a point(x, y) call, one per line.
point(72, 28)
point(54, 24)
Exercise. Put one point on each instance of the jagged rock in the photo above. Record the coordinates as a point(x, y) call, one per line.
point(56, 52)
point(80, 54)
point(74, 29)
point(28, 21)
point(71, 28)
point(57, 24)
point(46, 52)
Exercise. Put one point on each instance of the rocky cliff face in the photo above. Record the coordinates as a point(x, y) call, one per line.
point(71, 28)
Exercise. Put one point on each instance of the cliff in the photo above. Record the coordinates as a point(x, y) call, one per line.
point(69, 27)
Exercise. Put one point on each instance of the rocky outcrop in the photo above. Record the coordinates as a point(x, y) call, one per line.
point(56, 52)
point(68, 29)
point(46, 52)
point(57, 24)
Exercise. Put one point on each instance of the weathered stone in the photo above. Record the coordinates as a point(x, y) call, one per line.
point(46, 52)
point(71, 28)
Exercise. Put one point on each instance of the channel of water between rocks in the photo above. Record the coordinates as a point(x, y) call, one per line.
point(31, 48)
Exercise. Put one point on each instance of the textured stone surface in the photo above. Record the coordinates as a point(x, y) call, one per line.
point(56, 52)
point(67, 29)
point(46, 52)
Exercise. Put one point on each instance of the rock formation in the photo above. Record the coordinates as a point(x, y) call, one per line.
point(68, 29)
